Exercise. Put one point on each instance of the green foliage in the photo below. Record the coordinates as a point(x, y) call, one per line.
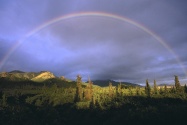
point(53, 96)
point(165, 89)
point(185, 88)
point(155, 87)
point(18, 83)
point(111, 91)
point(88, 91)
point(4, 101)
point(82, 105)
point(138, 92)
point(177, 83)
point(79, 91)
point(55, 104)
point(147, 89)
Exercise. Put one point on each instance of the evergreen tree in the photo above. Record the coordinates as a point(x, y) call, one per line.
point(118, 90)
point(173, 89)
point(161, 90)
point(147, 89)
point(185, 88)
point(155, 87)
point(79, 92)
point(88, 93)
point(177, 83)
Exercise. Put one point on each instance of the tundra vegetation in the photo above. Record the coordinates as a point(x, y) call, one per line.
point(59, 101)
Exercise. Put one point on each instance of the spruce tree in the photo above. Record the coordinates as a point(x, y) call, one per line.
point(88, 91)
point(79, 93)
point(147, 89)
point(161, 90)
point(177, 83)
point(155, 87)
point(185, 88)
point(118, 90)
point(173, 89)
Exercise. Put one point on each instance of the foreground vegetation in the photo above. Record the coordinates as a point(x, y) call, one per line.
point(62, 102)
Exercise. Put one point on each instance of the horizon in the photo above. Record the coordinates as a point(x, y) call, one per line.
point(86, 79)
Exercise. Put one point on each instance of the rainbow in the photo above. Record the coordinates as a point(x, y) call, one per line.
point(83, 14)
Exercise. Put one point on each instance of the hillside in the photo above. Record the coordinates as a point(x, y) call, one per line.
point(45, 75)
point(17, 75)
point(49, 78)
point(17, 79)
point(104, 83)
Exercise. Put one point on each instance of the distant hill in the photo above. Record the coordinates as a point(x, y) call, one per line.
point(43, 76)
point(18, 78)
point(17, 75)
point(104, 83)
point(16, 71)
point(165, 84)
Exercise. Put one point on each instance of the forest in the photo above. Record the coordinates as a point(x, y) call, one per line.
point(58, 101)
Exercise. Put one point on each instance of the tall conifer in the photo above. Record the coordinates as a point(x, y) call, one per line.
point(155, 87)
point(177, 83)
point(79, 92)
point(147, 88)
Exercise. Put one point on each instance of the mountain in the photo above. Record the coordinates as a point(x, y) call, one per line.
point(48, 77)
point(17, 79)
point(103, 83)
point(17, 75)
point(164, 84)
point(44, 75)
point(16, 71)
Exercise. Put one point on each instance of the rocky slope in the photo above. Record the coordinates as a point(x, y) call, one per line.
point(34, 76)
point(43, 76)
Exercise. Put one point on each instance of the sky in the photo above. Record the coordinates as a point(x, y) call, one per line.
point(99, 46)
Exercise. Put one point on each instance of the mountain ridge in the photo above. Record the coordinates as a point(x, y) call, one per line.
point(17, 75)
point(33, 76)
point(104, 83)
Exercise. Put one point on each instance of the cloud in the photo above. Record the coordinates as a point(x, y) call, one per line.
point(101, 47)
point(96, 47)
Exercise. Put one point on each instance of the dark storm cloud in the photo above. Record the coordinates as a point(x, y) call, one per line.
point(103, 48)
point(118, 57)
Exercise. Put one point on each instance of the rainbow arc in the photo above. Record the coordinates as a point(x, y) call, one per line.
point(96, 14)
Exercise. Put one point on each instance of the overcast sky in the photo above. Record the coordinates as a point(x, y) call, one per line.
point(97, 46)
